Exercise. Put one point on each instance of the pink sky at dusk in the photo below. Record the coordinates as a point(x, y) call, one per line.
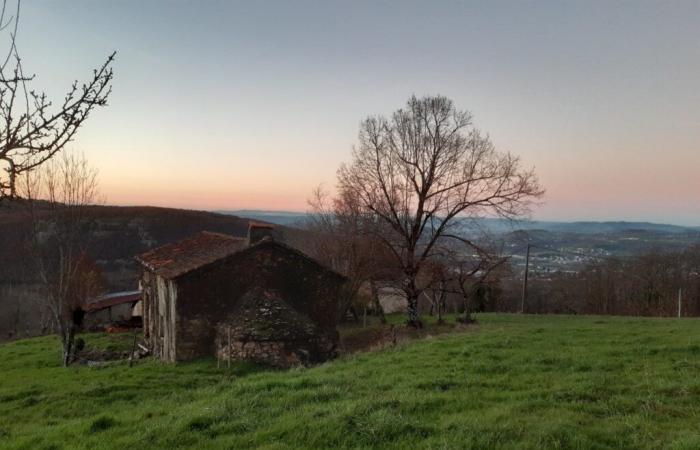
point(232, 105)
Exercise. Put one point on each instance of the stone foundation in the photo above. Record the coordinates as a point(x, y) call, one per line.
point(265, 329)
point(269, 353)
point(275, 353)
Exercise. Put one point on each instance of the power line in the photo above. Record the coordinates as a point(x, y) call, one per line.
point(527, 266)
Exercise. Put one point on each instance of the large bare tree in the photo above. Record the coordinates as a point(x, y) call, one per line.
point(420, 170)
point(32, 128)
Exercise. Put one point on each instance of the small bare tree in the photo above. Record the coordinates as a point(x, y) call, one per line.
point(61, 196)
point(459, 267)
point(470, 272)
point(437, 288)
point(339, 237)
point(32, 130)
point(421, 169)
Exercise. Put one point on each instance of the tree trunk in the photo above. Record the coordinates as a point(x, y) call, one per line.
point(412, 294)
point(377, 303)
point(354, 314)
point(412, 310)
point(441, 301)
point(68, 339)
point(467, 311)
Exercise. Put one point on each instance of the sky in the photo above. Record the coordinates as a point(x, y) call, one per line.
point(228, 105)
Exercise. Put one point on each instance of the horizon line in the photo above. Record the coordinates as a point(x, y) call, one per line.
point(299, 212)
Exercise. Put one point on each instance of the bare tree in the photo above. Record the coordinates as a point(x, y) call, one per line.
point(421, 169)
point(459, 270)
point(32, 130)
point(471, 273)
point(340, 238)
point(437, 281)
point(60, 199)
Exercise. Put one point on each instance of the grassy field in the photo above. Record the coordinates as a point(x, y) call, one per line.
point(510, 382)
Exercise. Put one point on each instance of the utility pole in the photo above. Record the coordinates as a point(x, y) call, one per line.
point(680, 301)
point(527, 266)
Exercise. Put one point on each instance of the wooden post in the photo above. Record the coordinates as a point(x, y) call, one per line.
point(133, 349)
point(680, 301)
point(228, 362)
point(218, 351)
point(527, 266)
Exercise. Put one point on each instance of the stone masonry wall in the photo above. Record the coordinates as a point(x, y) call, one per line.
point(273, 354)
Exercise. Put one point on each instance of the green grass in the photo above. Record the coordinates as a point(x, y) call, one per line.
point(529, 382)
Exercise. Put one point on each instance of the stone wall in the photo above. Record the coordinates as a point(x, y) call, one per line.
point(195, 337)
point(264, 328)
point(272, 353)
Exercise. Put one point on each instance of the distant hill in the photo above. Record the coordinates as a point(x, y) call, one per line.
point(498, 226)
point(556, 245)
point(587, 227)
point(286, 218)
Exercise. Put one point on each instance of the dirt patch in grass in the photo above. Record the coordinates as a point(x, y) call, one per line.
point(93, 354)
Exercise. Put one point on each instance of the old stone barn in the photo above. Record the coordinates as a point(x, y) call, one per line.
point(248, 298)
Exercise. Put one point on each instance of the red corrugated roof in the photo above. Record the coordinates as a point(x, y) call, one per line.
point(118, 298)
point(173, 260)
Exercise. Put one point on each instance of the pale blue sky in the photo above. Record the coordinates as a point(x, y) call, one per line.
point(252, 104)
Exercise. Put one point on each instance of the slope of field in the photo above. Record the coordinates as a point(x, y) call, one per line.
point(511, 382)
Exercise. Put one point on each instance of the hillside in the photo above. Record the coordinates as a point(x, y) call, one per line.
point(119, 235)
point(586, 227)
point(533, 382)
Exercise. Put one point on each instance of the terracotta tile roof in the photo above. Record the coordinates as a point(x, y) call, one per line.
point(173, 260)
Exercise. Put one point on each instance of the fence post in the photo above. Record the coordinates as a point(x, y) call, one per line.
point(133, 350)
point(228, 362)
point(527, 266)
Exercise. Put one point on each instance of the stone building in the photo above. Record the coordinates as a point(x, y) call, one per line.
point(248, 298)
